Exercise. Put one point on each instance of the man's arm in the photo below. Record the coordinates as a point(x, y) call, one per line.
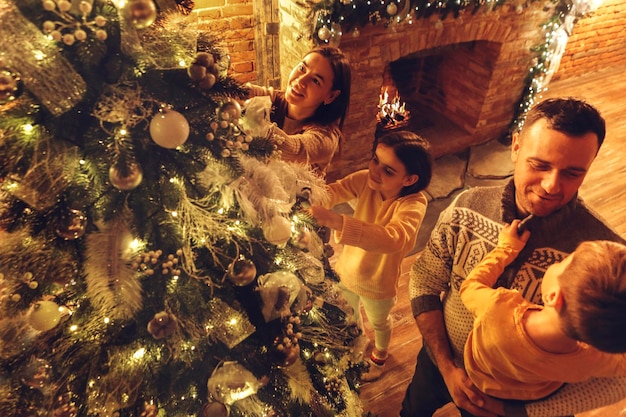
point(463, 392)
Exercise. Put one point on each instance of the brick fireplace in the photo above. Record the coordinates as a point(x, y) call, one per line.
point(461, 78)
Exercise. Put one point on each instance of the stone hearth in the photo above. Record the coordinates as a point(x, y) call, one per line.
point(462, 78)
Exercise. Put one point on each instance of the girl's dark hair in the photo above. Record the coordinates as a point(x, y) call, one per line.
point(337, 110)
point(414, 153)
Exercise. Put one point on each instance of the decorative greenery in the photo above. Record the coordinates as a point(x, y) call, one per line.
point(350, 15)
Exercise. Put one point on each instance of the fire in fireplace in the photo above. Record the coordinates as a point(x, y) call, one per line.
point(392, 113)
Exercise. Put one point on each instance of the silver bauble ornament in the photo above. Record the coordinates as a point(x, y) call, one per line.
point(72, 225)
point(10, 86)
point(140, 13)
point(230, 110)
point(128, 180)
point(324, 33)
point(169, 129)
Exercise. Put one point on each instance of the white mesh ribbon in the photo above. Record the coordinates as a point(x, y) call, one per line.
point(45, 72)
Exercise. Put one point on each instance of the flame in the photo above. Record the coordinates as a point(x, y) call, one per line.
point(391, 112)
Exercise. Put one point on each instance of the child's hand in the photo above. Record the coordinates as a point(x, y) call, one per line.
point(326, 217)
point(510, 233)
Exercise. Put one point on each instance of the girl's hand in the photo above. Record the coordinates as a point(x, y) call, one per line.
point(326, 217)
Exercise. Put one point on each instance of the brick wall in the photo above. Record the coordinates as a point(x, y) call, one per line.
point(232, 21)
point(598, 41)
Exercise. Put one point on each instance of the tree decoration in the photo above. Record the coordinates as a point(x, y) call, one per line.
point(36, 374)
point(204, 70)
point(44, 316)
point(241, 272)
point(140, 13)
point(392, 9)
point(162, 325)
point(277, 230)
point(72, 224)
point(125, 178)
point(168, 128)
point(324, 33)
point(68, 29)
point(10, 85)
point(45, 72)
point(231, 382)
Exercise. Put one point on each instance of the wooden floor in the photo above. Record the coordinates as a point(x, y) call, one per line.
point(604, 190)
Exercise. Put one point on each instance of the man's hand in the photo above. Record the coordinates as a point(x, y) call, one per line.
point(466, 396)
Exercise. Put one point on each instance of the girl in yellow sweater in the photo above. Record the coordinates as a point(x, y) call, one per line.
point(389, 209)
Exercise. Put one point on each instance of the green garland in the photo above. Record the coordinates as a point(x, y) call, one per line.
point(354, 14)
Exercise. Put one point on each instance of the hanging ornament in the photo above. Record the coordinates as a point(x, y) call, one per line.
point(277, 230)
point(241, 272)
point(335, 35)
point(125, 179)
point(169, 129)
point(356, 32)
point(278, 292)
point(140, 13)
point(223, 65)
point(65, 406)
point(45, 315)
point(72, 225)
point(230, 111)
point(215, 409)
point(230, 382)
point(10, 86)
point(203, 71)
point(36, 374)
point(392, 9)
point(162, 325)
point(324, 33)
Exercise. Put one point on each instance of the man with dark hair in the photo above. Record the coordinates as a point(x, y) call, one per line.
point(552, 153)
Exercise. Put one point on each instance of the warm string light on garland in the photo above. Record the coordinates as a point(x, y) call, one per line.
point(331, 18)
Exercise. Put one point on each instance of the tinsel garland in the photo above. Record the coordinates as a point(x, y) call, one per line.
point(47, 74)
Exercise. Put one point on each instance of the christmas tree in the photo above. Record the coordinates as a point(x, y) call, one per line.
point(155, 256)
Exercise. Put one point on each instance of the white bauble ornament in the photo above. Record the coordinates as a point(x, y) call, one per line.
point(277, 230)
point(140, 13)
point(44, 316)
point(169, 129)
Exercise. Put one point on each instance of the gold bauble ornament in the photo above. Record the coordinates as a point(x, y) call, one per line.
point(128, 180)
point(72, 225)
point(44, 316)
point(140, 13)
point(242, 272)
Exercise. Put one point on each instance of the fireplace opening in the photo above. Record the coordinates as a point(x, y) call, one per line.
point(444, 90)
